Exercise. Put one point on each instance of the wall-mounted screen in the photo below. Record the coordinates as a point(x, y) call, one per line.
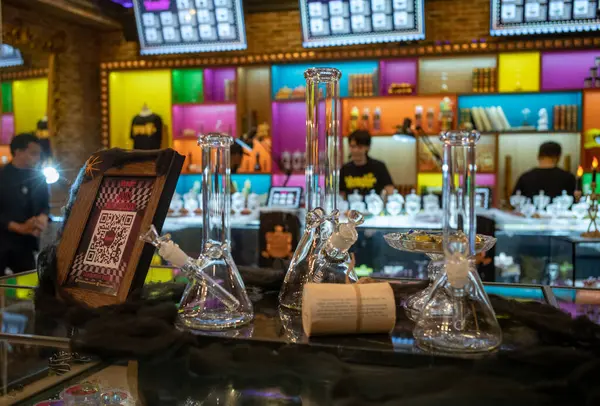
point(10, 56)
point(179, 26)
point(526, 17)
point(348, 22)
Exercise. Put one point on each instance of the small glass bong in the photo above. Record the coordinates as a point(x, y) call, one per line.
point(322, 170)
point(191, 268)
point(200, 308)
point(458, 316)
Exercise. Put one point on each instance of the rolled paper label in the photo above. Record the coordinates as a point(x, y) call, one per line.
point(330, 309)
point(457, 268)
point(171, 252)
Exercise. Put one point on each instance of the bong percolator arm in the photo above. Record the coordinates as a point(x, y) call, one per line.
point(171, 252)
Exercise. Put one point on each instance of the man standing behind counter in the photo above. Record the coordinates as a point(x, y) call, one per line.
point(362, 172)
point(547, 176)
point(24, 205)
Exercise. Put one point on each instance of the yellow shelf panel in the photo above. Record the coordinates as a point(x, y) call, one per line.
point(519, 72)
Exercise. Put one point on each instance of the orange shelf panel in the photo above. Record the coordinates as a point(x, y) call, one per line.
point(190, 149)
point(591, 118)
point(394, 111)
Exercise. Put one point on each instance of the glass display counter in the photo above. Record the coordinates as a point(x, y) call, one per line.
point(527, 251)
point(268, 362)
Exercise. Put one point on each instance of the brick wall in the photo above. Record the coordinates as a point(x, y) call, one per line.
point(445, 20)
point(77, 80)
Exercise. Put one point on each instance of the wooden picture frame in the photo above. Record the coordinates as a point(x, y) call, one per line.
point(100, 258)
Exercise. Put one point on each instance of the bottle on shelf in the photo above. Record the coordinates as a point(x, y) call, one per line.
point(257, 167)
point(377, 119)
point(419, 116)
point(364, 124)
point(430, 119)
point(444, 84)
point(190, 165)
point(354, 116)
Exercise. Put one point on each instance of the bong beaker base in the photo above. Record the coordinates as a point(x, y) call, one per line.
point(464, 324)
point(200, 310)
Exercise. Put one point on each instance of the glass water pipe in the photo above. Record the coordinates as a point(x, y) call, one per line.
point(200, 308)
point(323, 160)
point(458, 316)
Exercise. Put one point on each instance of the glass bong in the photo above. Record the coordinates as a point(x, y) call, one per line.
point(323, 159)
point(458, 316)
point(200, 308)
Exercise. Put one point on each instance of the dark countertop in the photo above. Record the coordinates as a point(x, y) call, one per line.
point(271, 362)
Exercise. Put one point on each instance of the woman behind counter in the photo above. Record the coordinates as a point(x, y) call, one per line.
point(363, 173)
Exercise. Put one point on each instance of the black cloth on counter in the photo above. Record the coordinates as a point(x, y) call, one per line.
point(146, 131)
point(551, 180)
point(23, 194)
point(373, 175)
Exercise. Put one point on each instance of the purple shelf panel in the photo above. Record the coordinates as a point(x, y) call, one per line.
point(204, 118)
point(8, 128)
point(486, 179)
point(295, 180)
point(289, 128)
point(568, 69)
point(215, 88)
point(397, 71)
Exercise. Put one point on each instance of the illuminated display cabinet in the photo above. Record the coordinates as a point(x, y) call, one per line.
point(524, 17)
point(347, 22)
point(180, 26)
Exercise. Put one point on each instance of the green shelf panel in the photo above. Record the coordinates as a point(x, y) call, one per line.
point(187, 86)
point(7, 97)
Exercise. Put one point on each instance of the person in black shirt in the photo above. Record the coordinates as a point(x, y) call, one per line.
point(24, 205)
point(362, 172)
point(547, 176)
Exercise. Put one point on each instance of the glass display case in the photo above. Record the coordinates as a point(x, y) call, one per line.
point(272, 362)
point(573, 261)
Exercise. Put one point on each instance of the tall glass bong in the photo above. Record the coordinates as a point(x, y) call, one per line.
point(458, 316)
point(199, 307)
point(323, 160)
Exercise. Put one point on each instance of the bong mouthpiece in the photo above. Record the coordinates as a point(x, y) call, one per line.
point(344, 237)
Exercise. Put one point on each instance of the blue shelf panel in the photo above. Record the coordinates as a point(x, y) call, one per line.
point(514, 103)
point(516, 292)
point(260, 182)
point(292, 76)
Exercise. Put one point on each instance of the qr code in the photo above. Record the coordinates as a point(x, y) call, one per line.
point(109, 239)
